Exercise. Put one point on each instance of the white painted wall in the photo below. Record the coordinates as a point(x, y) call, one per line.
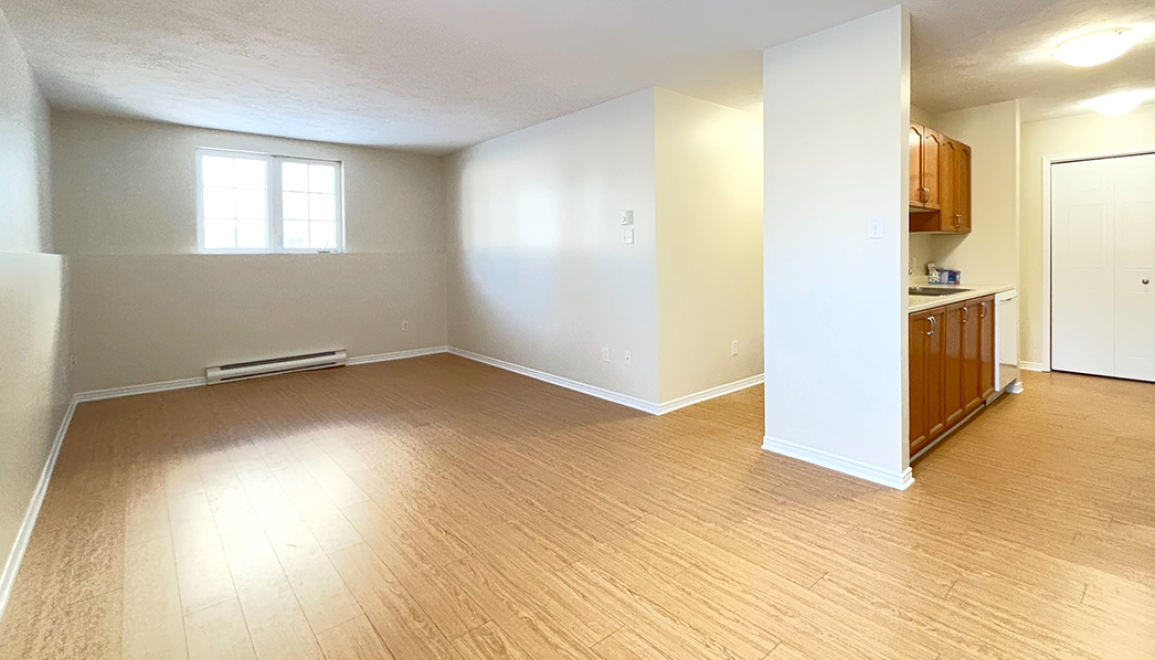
point(148, 309)
point(837, 114)
point(539, 275)
point(1090, 134)
point(34, 387)
point(709, 223)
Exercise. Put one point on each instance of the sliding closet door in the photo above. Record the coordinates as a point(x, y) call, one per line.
point(1083, 267)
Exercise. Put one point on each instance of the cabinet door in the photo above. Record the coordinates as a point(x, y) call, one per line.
point(962, 195)
point(926, 402)
point(931, 147)
point(948, 187)
point(916, 191)
point(972, 366)
point(918, 344)
point(987, 347)
point(953, 401)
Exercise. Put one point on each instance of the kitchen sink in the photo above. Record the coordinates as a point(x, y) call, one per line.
point(934, 291)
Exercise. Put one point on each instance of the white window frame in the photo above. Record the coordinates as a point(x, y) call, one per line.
point(274, 221)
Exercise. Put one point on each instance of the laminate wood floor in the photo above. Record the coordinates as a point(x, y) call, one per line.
point(438, 508)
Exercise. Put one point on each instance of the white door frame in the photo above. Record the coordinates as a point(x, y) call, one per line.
point(1048, 161)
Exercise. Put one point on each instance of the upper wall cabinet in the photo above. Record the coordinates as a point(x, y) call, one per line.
point(940, 183)
point(925, 146)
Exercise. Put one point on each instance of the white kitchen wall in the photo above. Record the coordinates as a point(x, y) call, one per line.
point(1083, 135)
point(34, 387)
point(147, 308)
point(837, 114)
point(539, 275)
point(709, 217)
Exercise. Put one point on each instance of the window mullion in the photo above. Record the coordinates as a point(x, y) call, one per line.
point(276, 222)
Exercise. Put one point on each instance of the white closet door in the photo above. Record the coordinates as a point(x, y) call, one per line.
point(1083, 267)
point(1135, 265)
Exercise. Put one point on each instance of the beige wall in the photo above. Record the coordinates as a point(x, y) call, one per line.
point(990, 253)
point(148, 309)
point(539, 275)
point(34, 387)
point(709, 211)
point(1084, 135)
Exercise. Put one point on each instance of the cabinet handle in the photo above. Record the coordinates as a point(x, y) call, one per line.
point(983, 313)
point(966, 313)
point(958, 220)
point(933, 326)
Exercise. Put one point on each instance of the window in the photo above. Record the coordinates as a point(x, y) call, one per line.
point(258, 203)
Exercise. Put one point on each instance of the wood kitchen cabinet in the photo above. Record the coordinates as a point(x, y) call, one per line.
point(952, 366)
point(950, 212)
point(925, 186)
point(927, 420)
point(987, 347)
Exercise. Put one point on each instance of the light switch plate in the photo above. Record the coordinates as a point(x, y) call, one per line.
point(628, 236)
point(626, 218)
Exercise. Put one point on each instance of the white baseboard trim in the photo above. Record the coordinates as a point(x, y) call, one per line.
point(608, 395)
point(395, 355)
point(1033, 366)
point(898, 481)
point(570, 384)
point(131, 390)
point(12, 565)
point(712, 393)
point(165, 386)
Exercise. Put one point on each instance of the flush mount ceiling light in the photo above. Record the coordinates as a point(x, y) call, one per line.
point(1095, 48)
point(1118, 104)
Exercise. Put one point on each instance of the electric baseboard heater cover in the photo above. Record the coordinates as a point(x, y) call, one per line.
point(227, 373)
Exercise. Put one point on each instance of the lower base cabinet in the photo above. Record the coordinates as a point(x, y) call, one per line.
point(952, 366)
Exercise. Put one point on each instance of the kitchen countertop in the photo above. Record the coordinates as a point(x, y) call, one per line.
point(922, 303)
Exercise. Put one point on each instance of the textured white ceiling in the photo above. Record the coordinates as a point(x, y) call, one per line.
point(435, 75)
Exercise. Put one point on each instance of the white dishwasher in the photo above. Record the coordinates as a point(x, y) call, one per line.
point(1007, 344)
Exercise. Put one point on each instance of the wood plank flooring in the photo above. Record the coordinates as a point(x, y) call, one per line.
point(436, 508)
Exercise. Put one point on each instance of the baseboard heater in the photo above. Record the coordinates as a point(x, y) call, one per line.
point(226, 373)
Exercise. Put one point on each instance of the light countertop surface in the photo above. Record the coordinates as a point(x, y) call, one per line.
point(965, 292)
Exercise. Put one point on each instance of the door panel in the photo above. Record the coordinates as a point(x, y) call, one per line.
point(1134, 265)
point(987, 347)
point(972, 367)
point(935, 412)
point(931, 145)
point(916, 192)
point(952, 388)
point(1082, 267)
point(963, 191)
point(917, 335)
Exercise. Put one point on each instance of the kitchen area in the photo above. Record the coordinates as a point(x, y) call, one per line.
point(963, 301)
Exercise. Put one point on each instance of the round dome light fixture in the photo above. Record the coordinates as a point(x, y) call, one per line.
point(1095, 48)
point(1118, 104)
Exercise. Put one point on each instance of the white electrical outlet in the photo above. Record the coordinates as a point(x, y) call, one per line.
point(405, 326)
point(874, 227)
point(627, 358)
point(628, 236)
point(734, 347)
point(605, 353)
